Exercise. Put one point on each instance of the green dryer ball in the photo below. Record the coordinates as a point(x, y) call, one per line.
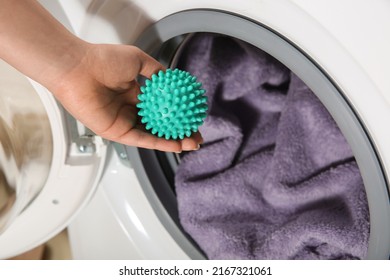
point(172, 104)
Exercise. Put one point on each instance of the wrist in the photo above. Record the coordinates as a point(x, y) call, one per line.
point(68, 59)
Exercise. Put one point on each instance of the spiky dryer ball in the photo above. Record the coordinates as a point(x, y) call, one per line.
point(172, 104)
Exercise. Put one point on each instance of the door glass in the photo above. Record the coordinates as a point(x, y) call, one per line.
point(25, 144)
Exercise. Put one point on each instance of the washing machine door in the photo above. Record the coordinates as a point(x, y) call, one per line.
point(49, 164)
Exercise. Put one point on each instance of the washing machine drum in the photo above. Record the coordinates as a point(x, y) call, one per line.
point(276, 178)
point(287, 171)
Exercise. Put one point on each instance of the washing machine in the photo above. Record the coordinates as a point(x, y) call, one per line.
point(117, 201)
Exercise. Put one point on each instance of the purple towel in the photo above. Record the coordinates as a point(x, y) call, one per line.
point(275, 178)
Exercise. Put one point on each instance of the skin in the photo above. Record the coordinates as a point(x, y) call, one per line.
point(96, 83)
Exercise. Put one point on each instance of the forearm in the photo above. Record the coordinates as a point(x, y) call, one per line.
point(35, 43)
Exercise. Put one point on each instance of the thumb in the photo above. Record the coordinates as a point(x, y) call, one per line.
point(149, 65)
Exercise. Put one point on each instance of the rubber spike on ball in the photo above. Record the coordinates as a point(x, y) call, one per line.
point(172, 104)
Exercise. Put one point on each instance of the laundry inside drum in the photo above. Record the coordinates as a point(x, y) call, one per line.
point(275, 177)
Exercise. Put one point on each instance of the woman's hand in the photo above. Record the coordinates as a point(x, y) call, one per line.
point(95, 83)
point(101, 91)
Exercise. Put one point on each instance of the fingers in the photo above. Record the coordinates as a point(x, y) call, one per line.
point(192, 143)
point(149, 65)
point(139, 137)
point(125, 131)
point(142, 139)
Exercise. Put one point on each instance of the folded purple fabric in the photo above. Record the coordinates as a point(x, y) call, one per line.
point(275, 178)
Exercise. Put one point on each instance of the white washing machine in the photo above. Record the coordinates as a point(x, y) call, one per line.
point(117, 200)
